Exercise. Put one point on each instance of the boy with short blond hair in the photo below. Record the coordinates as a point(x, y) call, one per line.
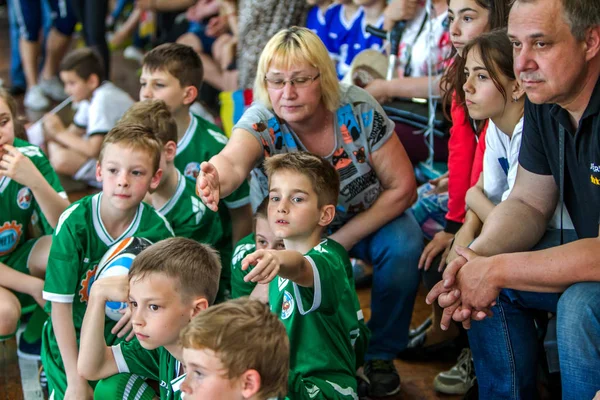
point(173, 73)
point(74, 150)
point(253, 366)
point(312, 294)
point(169, 283)
point(175, 197)
point(128, 166)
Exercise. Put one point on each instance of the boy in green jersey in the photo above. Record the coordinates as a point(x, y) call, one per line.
point(29, 190)
point(175, 197)
point(309, 285)
point(169, 283)
point(261, 238)
point(173, 73)
point(128, 166)
point(222, 364)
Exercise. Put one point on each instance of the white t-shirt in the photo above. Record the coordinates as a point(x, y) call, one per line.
point(500, 165)
point(100, 114)
point(414, 44)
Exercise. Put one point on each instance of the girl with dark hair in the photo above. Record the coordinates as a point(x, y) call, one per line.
point(468, 19)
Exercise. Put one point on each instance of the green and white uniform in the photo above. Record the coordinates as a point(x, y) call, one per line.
point(19, 209)
point(239, 288)
point(80, 240)
point(157, 364)
point(322, 326)
point(190, 218)
point(201, 141)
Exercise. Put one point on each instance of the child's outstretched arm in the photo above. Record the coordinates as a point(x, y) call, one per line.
point(287, 264)
point(96, 359)
point(21, 169)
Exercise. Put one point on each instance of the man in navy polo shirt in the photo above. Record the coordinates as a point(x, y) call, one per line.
point(496, 284)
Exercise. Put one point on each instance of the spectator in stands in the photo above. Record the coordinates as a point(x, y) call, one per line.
point(415, 48)
point(358, 39)
point(341, 19)
point(92, 15)
point(301, 106)
point(468, 19)
point(28, 16)
point(315, 20)
point(215, 41)
point(557, 57)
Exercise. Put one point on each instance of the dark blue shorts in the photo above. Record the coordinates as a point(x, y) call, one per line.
point(29, 17)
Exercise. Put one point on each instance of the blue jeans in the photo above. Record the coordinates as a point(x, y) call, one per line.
point(505, 347)
point(394, 251)
point(17, 76)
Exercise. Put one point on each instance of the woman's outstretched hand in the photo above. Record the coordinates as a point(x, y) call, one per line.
point(208, 186)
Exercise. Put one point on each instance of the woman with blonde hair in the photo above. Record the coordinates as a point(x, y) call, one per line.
point(300, 105)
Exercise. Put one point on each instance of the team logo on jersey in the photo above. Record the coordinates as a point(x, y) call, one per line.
point(198, 208)
point(287, 308)
point(281, 283)
point(10, 233)
point(24, 198)
point(86, 285)
point(192, 170)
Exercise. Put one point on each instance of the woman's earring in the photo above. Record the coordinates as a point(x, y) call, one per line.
point(515, 99)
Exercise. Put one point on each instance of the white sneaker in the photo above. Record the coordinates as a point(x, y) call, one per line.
point(35, 99)
point(53, 88)
point(460, 378)
point(134, 54)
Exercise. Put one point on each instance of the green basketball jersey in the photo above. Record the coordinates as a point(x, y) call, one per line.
point(19, 207)
point(80, 240)
point(157, 364)
point(321, 322)
point(239, 288)
point(190, 218)
point(201, 142)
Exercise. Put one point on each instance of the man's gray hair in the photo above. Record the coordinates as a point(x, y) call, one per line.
point(579, 14)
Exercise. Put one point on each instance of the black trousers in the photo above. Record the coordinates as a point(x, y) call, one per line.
point(92, 15)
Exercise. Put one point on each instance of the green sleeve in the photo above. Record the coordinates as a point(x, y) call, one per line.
point(132, 358)
point(62, 273)
point(327, 288)
point(239, 288)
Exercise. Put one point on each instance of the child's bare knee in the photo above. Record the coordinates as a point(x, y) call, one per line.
point(9, 317)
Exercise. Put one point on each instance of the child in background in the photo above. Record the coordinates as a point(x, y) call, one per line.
point(214, 38)
point(316, 21)
point(468, 19)
point(73, 151)
point(343, 17)
point(175, 197)
point(358, 38)
point(173, 73)
point(221, 364)
point(169, 283)
point(29, 191)
point(261, 238)
point(309, 286)
point(491, 91)
point(128, 166)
